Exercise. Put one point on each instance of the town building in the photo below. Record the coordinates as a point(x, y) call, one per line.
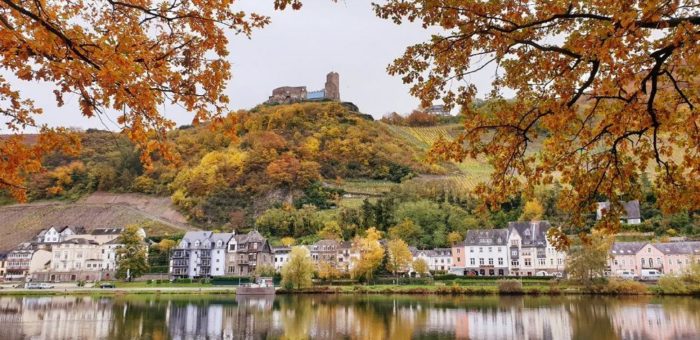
point(25, 259)
point(530, 252)
point(57, 234)
point(200, 254)
point(83, 256)
point(247, 252)
point(335, 252)
point(3, 264)
point(631, 215)
point(280, 257)
point(486, 252)
point(666, 257)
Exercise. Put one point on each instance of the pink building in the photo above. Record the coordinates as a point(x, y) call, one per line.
point(459, 261)
point(668, 257)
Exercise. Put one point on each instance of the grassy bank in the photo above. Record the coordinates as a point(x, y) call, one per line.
point(456, 287)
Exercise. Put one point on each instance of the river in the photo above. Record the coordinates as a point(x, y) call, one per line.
point(348, 317)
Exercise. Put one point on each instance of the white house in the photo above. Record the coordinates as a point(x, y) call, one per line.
point(192, 257)
point(486, 252)
point(631, 212)
point(280, 256)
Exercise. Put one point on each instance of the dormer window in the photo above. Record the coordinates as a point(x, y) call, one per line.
point(196, 243)
point(219, 243)
point(527, 232)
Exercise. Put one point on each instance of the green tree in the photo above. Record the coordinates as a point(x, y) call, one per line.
point(265, 270)
point(331, 231)
point(132, 256)
point(298, 272)
point(406, 230)
point(588, 260)
point(398, 257)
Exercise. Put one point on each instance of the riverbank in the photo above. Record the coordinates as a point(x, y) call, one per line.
point(127, 288)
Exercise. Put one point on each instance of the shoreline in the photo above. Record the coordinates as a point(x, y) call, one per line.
point(327, 290)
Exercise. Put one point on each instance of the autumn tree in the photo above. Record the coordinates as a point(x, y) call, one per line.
point(454, 238)
point(127, 58)
point(420, 267)
point(604, 89)
point(298, 272)
point(132, 254)
point(533, 211)
point(587, 260)
point(399, 257)
point(327, 271)
point(371, 254)
point(287, 241)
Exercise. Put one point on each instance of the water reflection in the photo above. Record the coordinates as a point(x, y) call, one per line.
point(351, 317)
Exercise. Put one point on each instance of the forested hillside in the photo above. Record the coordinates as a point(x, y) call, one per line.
point(311, 171)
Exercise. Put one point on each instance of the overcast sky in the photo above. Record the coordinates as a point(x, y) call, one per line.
point(297, 48)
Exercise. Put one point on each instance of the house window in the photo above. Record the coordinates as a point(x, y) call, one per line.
point(491, 262)
point(515, 263)
point(528, 263)
point(471, 250)
point(490, 249)
point(481, 261)
point(499, 249)
point(500, 261)
point(542, 262)
point(481, 249)
point(457, 250)
point(514, 253)
point(472, 261)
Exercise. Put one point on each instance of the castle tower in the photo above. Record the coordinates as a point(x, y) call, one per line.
point(332, 88)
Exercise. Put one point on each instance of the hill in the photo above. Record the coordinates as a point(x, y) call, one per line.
point(229, 173)
point(20, 222)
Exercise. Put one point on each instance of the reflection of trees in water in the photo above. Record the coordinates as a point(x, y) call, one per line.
point(349, 317)
point(138, 318)
point(590, 318)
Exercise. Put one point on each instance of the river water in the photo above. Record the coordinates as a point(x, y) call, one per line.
point(348, 317)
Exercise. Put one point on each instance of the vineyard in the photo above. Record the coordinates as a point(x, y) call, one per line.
point(464, 175)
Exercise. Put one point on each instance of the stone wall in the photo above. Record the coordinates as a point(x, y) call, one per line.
point(333, 86)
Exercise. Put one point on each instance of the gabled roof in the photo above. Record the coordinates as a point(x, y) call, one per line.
point(106, 231)
point(533, 233)
point(224, 237)
point(626, 248)
point(486, 237)
point(80, 241)
point(281, 250)
point(631, 208)
point(678, 248)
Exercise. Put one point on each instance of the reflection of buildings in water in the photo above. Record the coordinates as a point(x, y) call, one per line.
point(250, 319)
point(517, 322)
point(54, 318)
point(653, 321)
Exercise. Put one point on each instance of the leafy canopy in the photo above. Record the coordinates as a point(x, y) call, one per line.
point(127, 57)
point(608, 88)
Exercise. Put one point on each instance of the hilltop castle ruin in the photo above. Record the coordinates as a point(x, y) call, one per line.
point(291, 94)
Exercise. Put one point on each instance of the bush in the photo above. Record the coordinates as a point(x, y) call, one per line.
point(510, 287)
point(618, 286)
point(671, 284)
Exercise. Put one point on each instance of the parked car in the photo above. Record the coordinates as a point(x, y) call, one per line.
point(650, 275)
point(38, 285)
point(626, 274)
point(106, 285)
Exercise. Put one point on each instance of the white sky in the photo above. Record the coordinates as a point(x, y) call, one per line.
point(297, 48)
